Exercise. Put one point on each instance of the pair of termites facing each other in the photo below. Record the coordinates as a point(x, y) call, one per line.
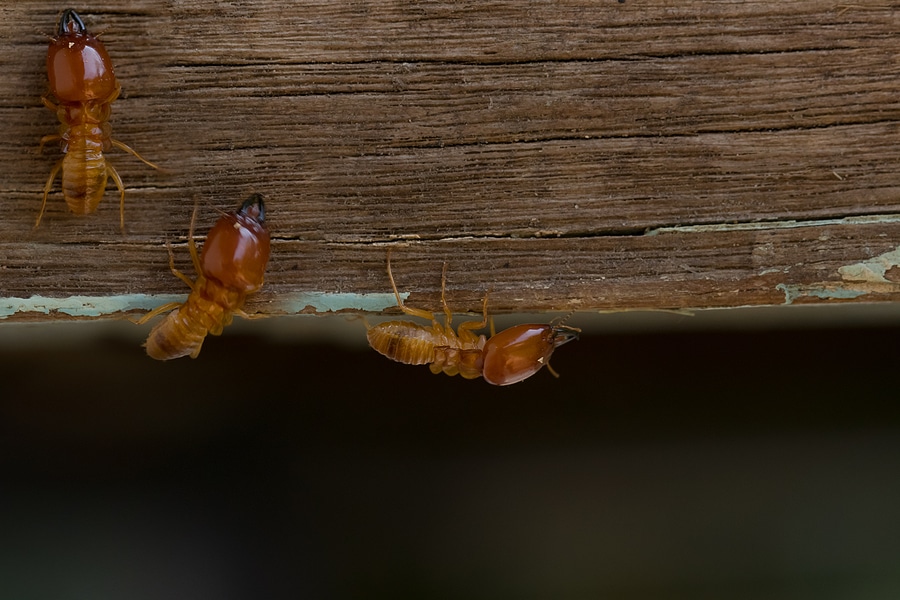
point(82, 81)
point(505, 358)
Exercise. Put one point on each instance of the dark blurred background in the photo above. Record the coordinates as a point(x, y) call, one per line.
point(692, 461)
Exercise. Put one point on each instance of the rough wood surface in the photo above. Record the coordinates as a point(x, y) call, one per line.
point(567, 155)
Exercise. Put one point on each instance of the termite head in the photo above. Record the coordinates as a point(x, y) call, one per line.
point(519, 352)
point(78, 66)
point(70, 22)
point(237, 248)
point(254, 207)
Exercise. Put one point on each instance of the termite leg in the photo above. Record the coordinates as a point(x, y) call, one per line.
point(129, 150)
point(157, 311)
point(116, 92)
point(175, 271)
point(111, 170)
point(448, 314)
point(47, 187)
point(169, 305)
point(53, 137)
point(244, 315)
point(464, 330)
point(195, 258)
point(416, 312)
point(475, 325)
point(49, 103)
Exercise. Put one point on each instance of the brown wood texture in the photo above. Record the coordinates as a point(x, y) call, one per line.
point(565, 154)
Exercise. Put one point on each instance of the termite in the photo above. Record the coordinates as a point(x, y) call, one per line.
point(82, 81)
point(230, 267)
point(505, 358)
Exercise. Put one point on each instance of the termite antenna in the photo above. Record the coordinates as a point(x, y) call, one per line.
point(37, 31)
point(561, 321)
point(562, 334)
point(552, 370)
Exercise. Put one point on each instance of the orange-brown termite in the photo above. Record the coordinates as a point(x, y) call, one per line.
point(507, 357)
point(230, 267)
point(82, 81)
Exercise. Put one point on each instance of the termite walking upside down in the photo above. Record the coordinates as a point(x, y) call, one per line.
point(508, 357)
point(81, 79)
point(230, 267)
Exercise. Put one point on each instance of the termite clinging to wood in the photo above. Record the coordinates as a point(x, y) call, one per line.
point(505, 358)
point(231, 266)
point(82, 81)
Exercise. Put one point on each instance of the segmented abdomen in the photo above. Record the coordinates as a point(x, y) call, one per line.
point(405, 342)
point(183, 330)
point(84, 170)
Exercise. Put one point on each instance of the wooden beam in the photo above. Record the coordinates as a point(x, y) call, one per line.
point(565, 155)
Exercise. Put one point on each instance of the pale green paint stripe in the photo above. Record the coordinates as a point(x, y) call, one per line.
point(872, 270)
point(792, 292)
point(98, 306)
point(323, 302)
point(84, 306)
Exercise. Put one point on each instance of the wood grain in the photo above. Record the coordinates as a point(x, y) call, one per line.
point(566, 155)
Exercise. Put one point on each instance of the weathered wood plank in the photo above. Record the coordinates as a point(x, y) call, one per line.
point(669, 269)
point(559, 153)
